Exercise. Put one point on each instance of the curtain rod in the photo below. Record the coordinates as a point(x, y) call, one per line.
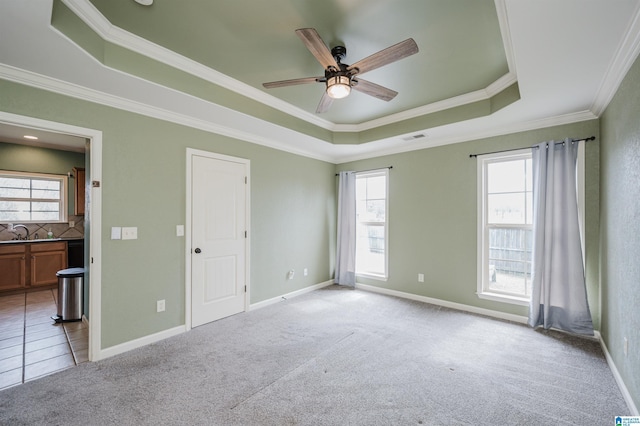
point(370, 170)
point(590, 138)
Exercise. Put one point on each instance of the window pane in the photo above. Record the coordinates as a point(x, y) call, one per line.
point(506, 176)
point(45, 194)
point(14, 193)
point(376, 187)
point(370, 245)
point(371, 216)
point(510, 277)
point(43, 206)
point(510, 260)
point(375, 211)
point(14, 210)
point(44, 216)
point(506, 208)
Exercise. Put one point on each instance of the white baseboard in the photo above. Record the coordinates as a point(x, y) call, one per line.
point(278, 299)
point(616, 375)
point(137, 343)
point(445, 303)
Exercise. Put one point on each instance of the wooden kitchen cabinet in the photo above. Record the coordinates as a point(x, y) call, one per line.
point(46, 260)
point(31, 265)
point(78, 193)
point(13, 264)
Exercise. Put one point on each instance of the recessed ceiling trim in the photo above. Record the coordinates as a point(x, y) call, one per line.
point(89, 14)
point(479, 95)
point(103, 27)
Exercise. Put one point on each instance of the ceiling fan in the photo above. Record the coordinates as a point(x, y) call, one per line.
point(340, 78)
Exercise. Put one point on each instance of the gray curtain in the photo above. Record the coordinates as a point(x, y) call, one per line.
point(559, 296)
point(346, 250)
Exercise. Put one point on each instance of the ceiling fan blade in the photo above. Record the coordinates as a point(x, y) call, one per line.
point(385, 56)
point(374, 90)
point(316, 46)
point(293, 82)
point(325, 103)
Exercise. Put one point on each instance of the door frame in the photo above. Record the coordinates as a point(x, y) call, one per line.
point(192, 152)
point(94, 138)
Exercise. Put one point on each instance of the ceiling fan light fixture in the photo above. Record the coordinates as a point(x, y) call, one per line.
point(338, 86)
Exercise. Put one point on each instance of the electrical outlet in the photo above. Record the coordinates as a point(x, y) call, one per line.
point(420, 278)
point(305, 272)
point(291, 274)
point(160, 305)
point(626, 346)
point(72, 224)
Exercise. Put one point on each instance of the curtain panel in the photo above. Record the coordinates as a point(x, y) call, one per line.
point(559, 296)
point(346, 251)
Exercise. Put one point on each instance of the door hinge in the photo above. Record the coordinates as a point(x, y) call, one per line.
point(245, 288)
point(245, 234)
point(245, 180)
point(92, 260)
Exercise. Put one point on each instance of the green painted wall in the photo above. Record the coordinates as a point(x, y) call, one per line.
point(620, 229)
point(143, 185)
point(433, 216)
point(22, 158)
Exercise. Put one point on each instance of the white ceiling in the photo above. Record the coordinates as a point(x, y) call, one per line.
point(568, 57)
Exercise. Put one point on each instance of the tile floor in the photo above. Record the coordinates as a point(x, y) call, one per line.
point(31, 344)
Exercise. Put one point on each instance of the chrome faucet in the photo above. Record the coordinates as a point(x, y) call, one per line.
point(19, 237)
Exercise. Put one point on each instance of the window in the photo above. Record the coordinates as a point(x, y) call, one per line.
point(371, 224)
point(32, 197)
point(505, 226)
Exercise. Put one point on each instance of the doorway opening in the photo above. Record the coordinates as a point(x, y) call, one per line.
point(60, 136)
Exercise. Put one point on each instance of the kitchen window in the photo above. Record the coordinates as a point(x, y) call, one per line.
point(32, 197)
point(371, 224)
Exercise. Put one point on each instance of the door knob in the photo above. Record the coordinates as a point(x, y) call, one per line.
point(198, 250)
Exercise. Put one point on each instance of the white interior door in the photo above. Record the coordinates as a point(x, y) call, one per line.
point(218, 238)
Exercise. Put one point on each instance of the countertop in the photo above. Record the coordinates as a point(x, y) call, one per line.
point(41, 240)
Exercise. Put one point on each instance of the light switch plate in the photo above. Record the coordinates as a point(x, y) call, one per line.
point(180, 230)
point(130, 233)
point(116, 232)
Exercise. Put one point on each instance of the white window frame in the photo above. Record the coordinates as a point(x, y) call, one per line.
point(64, 195)
point(483, 240)
point(382, 277)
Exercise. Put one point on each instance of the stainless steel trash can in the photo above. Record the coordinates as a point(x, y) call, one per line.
point(70, 286)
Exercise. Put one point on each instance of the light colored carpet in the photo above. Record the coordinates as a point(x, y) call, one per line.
point(335, 356)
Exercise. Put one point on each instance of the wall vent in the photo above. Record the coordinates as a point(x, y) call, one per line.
point(414, 137)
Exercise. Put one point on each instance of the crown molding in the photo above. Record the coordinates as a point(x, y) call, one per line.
point(54, 85)
point(432, 142)
point(90, 15)
point(468, 98)
point(625, 56)
point(505, 32)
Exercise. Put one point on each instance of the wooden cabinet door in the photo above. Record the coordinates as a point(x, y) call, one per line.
point(13, 267)
point(46, 260)
point(79, 189)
